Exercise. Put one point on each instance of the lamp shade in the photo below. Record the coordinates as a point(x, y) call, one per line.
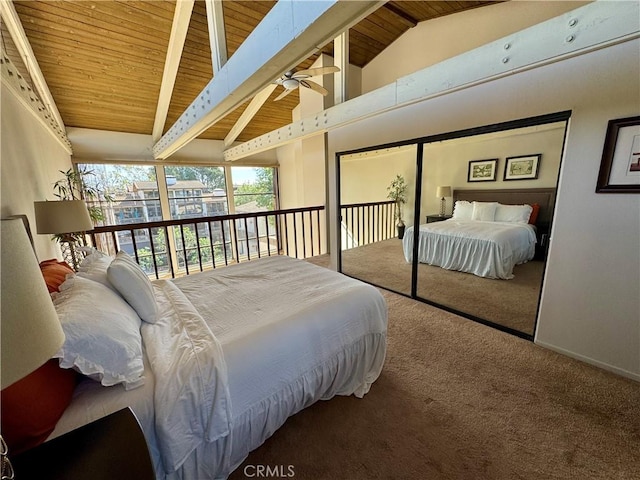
point(30, 330)
point(64, 216)
point(443, 192)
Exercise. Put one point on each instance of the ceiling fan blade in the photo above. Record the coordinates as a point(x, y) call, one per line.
point(314, 86)
point(283, 94)
point(312, 72)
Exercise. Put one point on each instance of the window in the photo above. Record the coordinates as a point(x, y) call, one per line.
point(196, 192)
point(135, 199)
point(254, 190)
point(192, 193)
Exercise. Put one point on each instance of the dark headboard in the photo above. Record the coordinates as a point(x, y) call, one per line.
point(545, 197)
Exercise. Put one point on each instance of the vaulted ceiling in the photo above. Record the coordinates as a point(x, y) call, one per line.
point(103, 61)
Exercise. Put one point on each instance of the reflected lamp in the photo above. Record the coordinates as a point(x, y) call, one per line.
point(442, 193)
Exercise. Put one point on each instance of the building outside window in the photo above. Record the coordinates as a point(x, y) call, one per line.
point(254, 190)
point(196, 192)
point(191, 192)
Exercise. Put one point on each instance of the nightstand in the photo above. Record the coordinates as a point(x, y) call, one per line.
point(437, 218)
point(109, 448)
point(542, 244)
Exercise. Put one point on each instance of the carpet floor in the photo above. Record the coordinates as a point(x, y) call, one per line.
point(511, 303)
point(460, 400)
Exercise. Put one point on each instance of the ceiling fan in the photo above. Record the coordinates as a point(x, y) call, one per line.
point(292, 80)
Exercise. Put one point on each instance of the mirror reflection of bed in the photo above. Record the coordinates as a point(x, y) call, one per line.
point(510, 300)
point(490, 269)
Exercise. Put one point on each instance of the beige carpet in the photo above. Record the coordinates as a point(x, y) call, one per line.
point(459, 400)
point(511, 303)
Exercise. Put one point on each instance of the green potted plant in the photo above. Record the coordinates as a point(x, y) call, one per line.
point(75, 187)
point(398, 193)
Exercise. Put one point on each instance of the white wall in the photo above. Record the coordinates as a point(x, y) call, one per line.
point(95, 146)
point(29, 166)
point(435, 40)
point(302, 163)
point(590, 305)
point(447, 163)
point(364, 178)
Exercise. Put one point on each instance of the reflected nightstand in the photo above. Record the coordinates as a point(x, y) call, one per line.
point(437, 218)
point(112, 447)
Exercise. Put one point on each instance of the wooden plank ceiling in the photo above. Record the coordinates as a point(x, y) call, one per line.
point(103, 60)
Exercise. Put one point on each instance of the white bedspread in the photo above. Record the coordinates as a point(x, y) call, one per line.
point(238, 350)
point(486, 249)
point(191, 397)
point(292, 333)
point(235, 353)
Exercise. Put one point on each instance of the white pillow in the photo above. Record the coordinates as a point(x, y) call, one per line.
point(484, 211)
point(102, 333)
point(133, 284)
point(513, 213)
point(94, 267)
point(462, 210)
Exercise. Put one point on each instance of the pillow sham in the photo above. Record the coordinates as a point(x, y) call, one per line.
point(94, 267)
point(535, 210)
point(484, 211)
point(133, 284)
point(102, 333)
point(513, 213)
point(462, 210)
point(31, 407)
point(55, 273)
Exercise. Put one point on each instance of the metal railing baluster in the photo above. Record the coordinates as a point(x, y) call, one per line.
point(195, 226)
point(213, 252)
point(153, 254)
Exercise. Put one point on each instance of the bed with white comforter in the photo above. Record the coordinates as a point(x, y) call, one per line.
point(485, 248)
point(234, 353)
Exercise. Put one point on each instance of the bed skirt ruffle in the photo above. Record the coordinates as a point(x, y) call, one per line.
point(351, 371)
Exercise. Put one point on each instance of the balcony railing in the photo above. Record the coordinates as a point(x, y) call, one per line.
point(365, 223)
point(177, 247)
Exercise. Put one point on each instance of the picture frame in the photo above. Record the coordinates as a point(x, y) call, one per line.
point(522, 167)
point(620, 164)
point(482, 170)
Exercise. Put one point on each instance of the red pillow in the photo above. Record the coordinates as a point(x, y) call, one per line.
point(32, 406)
point(533, 218)
point(54, 273)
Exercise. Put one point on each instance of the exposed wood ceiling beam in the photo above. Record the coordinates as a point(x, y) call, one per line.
point(12, 21)
point(249, 113)
point(288, 34)
point(403, 16)
point(217, 36)
point(179, 28)
point(592, 27)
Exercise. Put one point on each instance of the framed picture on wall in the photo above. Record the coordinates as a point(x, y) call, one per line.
point(620, 165)
point(523, 167)
point(482, 170)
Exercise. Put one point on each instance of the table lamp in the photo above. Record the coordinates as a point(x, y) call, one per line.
point(63, 217)
point(31, 331)
point(442, 193)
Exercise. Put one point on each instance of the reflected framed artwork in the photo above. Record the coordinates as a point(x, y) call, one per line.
point(523, 167)
point(482, 170)
point(620, 164)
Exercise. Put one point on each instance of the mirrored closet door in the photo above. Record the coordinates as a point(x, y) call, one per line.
point(486, 264)
point(371, 249)
point(487, 259)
